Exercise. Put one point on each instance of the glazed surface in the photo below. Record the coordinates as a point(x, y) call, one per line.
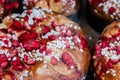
point(107, 54)
point(41, 45)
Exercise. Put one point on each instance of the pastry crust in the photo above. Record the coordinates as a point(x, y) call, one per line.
point(109, 10)
point(66, 7)
point(107, 53)
point(48, 46)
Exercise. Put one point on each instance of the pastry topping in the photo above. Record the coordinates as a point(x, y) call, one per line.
point(4, 30)
point(11, 5)
point(97, 48)
point(113, 61)
point(31, 4)
point(33, 16)
point(108, 7)
point(31, 44)
point(110, 65)
point(30, 61)
point(69, 33)
point(38, 19)
point(111, 10)
point(26, 18)
point(5, 43)
point(2, 1)
point(96, 2)
point(17, 65)
point(17, 26)
point(67, 59)
point(48, 52)
point(22, 49)
point(8, 74)
point(27, 36)
point(3, 61)
point(54, 61)
point(46, 30)
point(25, 58)
point(56, 0)
point(118, 50)
point(53, 24)
point(52, 37)
point(104, 68)
point(107, 49)
point(15, 43)
point(83, 42)
point(42, 48)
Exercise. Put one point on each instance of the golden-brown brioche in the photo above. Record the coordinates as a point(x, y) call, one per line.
point(107, 54)
point(38, 45)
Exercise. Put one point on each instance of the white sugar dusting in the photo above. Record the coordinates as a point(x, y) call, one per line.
point(109, 52)
point(106, 5)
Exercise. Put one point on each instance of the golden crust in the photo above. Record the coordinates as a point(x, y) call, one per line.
point(111, 29)
point(79, 54)
point(107, 66)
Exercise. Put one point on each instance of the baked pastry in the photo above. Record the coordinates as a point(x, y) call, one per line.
point(106, 9)
point(6, 6)
point(38, 45)
point(107, 54)
point(66, 7)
